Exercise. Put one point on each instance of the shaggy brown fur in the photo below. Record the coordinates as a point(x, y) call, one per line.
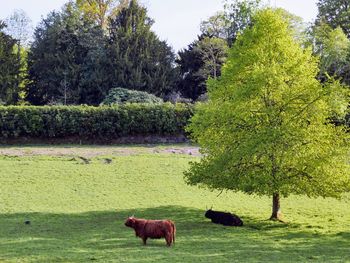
point(153, 229)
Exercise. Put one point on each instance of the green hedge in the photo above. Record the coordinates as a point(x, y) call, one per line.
point(93, 122)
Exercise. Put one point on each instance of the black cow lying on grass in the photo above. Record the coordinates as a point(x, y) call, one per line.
point(226, 219)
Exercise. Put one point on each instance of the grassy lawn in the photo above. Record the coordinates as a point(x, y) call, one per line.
point(78, 198)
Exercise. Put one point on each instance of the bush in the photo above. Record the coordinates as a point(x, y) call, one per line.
point(89, 122)
point(175, 97)
point(121, 96)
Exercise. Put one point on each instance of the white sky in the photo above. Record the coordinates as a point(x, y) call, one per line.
point(176, 21)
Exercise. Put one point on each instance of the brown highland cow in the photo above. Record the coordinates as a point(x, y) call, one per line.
point(153, 229)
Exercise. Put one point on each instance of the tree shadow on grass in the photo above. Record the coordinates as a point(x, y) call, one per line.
point(102, 237)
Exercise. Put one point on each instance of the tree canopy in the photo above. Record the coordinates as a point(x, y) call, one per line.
point(60, 67)
point(199, 61)
point(139, 59)
point(333, 47)
point(9, 68)
point(73, 61)
point(335, 13)
point(266, 129)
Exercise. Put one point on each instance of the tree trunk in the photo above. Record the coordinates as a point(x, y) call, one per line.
point(276, 212)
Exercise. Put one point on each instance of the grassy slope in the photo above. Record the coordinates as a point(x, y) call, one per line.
point(77, 212)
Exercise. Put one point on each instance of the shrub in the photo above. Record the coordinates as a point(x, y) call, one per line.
point(121, 96)
point(176, 97)
point(89, 122)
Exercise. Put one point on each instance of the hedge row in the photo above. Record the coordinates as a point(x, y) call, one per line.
point(93, 122)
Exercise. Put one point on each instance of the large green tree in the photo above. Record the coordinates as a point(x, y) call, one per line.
point(335, 13)
point(200, 60)
point(140, 60)
point(9, 68)
point(66, 59)
point(266, 129)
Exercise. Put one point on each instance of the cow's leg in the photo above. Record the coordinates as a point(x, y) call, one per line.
point(168, 239)
point(144, 239)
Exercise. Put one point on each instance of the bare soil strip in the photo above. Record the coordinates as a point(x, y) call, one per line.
point(94, 151)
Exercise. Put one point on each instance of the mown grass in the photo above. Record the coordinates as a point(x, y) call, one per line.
point(77, 207)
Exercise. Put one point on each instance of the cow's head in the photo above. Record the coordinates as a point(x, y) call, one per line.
point(209, 213)
point(130, 221)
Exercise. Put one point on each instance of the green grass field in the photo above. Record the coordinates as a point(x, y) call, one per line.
point(78, 198)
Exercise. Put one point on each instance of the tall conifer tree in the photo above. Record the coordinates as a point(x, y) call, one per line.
point(140, 60)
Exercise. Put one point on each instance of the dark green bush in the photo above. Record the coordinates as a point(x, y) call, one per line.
point(93, 122)
point(121, 96)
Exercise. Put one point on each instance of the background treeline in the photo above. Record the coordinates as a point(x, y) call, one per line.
point(82, 53)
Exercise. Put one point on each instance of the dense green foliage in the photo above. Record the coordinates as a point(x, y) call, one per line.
point(121, 96)
point(74, 61)
point(105, 123)
point(60, 60)
point(330, 38)
point(139, 59)
point(9, 68)
point(19, 28)
point(77, 211)
point(335, 13)
point(90, 46)
point(201, 60)
point(266, 128)
point(333, 47)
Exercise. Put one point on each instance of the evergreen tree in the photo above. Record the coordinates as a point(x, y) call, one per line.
point(65, 46)
point(140, 60)
point(9, 68)
point(95, 72)
point(266, 129)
